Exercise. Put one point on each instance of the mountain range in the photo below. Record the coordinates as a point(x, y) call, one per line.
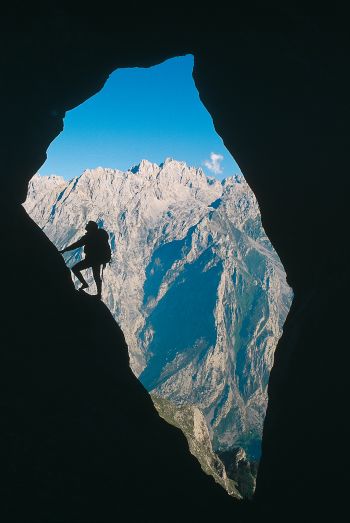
point(196, 287)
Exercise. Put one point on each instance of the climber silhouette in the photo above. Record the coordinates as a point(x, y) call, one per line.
point(97, 253)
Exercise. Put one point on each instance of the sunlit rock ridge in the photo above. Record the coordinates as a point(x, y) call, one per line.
point(194, 283)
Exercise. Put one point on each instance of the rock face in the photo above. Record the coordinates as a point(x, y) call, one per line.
point(191, 421)
point(240, 470)
point(195, 284)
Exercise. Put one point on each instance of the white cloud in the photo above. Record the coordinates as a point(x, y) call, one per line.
point(214, 164)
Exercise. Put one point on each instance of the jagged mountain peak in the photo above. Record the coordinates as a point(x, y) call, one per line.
point(168, 172)
point(235, 179)
point(172, 162)
point(51, 179)
point(95, 171)
point(154, 186)
point(145, 167)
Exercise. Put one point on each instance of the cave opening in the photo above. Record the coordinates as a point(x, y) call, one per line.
point(194, 283)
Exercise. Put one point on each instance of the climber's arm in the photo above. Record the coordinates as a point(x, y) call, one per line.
point(74, 245)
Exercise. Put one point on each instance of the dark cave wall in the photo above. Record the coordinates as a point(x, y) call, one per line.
point(277, 88)
point(279, 100)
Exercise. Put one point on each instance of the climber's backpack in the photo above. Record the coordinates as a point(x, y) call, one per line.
point(103, 247)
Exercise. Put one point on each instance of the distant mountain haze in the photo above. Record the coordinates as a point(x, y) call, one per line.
point(194, 284)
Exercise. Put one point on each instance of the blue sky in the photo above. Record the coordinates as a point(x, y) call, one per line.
point(150, 114)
